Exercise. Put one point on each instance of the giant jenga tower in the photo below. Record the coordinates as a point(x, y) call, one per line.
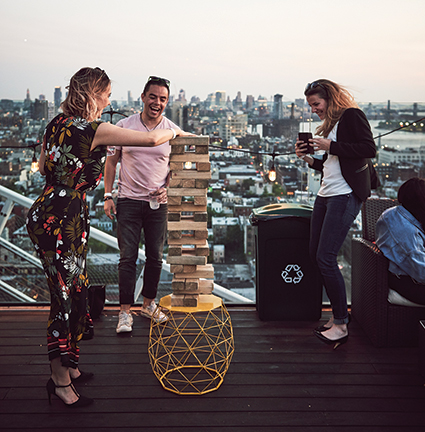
point(187, 220)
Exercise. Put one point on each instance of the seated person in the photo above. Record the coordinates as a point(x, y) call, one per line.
point(400, 234)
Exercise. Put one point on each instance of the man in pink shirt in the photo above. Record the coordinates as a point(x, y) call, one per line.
point(143, 177)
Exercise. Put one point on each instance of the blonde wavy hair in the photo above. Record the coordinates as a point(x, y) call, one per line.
point(338, 99)
point(83, 88)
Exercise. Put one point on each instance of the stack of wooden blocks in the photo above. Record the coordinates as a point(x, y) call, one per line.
point(187, 220)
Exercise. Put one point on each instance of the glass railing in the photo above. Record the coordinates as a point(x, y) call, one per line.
point(22, 279)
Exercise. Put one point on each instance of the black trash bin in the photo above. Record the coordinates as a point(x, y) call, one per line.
point(287, 285)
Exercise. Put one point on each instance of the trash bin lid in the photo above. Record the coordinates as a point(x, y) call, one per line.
point(277, 211)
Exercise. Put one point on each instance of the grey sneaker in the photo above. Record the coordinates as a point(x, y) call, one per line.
point(152, 312)
point(125, 322)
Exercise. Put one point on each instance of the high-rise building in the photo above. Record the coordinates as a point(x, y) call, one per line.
point(249, 102)
point(27, 101)
point(40, 110)
point(57, 98)
point(237, 102)
point(220, 98)
point(278, 107)
point(233, 126)
point(130, 100)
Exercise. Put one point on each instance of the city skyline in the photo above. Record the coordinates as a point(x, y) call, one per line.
point(276, 46)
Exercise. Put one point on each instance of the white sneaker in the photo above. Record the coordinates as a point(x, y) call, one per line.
point(125, 322)
point(152, 312)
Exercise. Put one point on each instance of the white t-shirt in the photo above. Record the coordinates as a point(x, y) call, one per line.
point(143, 169)
point(333, 183)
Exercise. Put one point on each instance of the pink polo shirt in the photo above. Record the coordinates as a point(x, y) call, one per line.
point(143, 169)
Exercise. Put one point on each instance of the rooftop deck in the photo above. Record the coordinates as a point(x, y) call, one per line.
point(281, 379)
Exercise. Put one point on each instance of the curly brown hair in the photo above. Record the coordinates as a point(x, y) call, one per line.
point(338, 99)
point(83, 88)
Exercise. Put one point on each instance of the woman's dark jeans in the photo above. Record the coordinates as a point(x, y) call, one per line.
point(132, 217)
point(330, 222)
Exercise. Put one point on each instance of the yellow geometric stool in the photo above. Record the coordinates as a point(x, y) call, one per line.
point(191, 352)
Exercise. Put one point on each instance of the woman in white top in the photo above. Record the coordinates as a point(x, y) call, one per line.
point(346, 170)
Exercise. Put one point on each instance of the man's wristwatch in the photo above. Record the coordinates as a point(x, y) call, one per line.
point(107, 196)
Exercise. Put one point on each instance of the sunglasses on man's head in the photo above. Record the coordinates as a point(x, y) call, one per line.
point(153, 79)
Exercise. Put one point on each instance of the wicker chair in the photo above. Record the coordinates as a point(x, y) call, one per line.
point(384, 323)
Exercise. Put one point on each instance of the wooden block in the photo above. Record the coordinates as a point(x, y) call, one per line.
point(186, 183)
point(200, 201)
point(203, 166)
point(201, 183)
point(202, 250)
point(182, 268)
point(191, 284)
point(186, 192)
point(187, 260)
point(178, 285)
point(186, 207)
point(184, 300)
point(174, 250)
point(178, 268)
point(174, 200)
point(206, 286)
point(201, 149)
point(185, 240)
point(190, 157)
point(174, 235)
point(191, 174)
point(200, 217)
point(186, 226)
point(174, 216)
point(201, 234)
point(191, 140)
point(186, 285)
point(176, 166)
point(178, 149)
point(205, 271)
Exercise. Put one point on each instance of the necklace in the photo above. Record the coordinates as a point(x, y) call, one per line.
point(143, 123)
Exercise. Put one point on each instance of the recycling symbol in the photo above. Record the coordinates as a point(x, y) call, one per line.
point(292, 274)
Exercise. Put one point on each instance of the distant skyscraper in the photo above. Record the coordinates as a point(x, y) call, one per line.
point(220, 98)
point(57, 97)
point(182, 97)
point(237, 102)
point(278, 107)
point(42, 97)
point(249, 102)
point(130, 101)
point(41, 110)
point(27, 101)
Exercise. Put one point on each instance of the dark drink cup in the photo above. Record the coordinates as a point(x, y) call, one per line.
point(305, 136)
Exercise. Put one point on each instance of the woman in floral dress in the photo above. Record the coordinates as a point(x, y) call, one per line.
point(72, 158)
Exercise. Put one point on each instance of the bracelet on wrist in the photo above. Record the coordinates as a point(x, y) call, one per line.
point(174, 132)
point(107, 194)
point(106, 198)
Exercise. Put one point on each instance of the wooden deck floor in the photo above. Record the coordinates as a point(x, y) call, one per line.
point(281, 379)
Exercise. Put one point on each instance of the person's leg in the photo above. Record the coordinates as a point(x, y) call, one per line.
point(316, 222)
point(129, 226)
point(341, 212)
point(155, 229)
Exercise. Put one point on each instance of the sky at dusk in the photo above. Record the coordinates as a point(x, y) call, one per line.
point(374, 47)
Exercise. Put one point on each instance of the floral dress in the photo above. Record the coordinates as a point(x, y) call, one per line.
point(58, 225)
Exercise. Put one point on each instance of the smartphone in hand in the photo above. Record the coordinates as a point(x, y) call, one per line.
point(305, 136)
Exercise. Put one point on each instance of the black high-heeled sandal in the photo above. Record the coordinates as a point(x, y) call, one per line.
point(83, 377)
point(335, 342)
point(81, 402)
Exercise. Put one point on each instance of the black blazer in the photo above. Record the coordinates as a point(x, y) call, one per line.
point(354, 147)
